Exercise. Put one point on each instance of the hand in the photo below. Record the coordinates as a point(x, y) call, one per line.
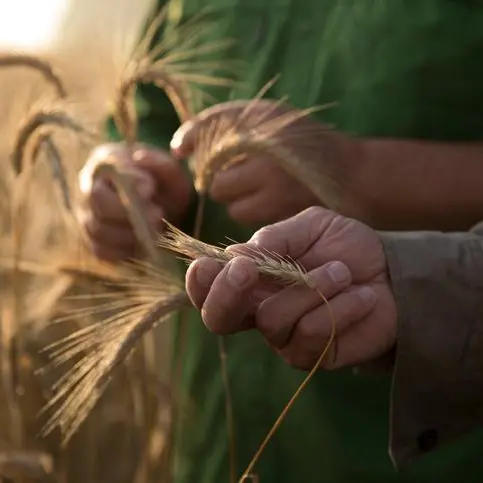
point(346, 262)
point(257, 190)
point(159, 182)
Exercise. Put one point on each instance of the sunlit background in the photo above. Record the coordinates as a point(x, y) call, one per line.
point(30, 24)
point(87, 41)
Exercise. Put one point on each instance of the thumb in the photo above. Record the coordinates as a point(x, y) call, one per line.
point(184, 139)
point(182, 142)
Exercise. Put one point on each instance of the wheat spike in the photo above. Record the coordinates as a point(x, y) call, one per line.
point(269, 265)
point(15, 59)
point(57, 116)
point(144, 298)
point(175, 65)
point(268, 129)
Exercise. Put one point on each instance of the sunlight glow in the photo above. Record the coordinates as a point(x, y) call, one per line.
point(30, 24)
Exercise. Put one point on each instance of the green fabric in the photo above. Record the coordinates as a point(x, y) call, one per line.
point(401, 68)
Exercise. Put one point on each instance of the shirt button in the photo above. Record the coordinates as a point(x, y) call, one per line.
point(428, 440)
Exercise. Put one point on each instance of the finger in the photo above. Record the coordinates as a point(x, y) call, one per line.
point(105, 203)
point(364, 341)
point(227, 307)
point(110, 254)
point(277, 316)
point(106, 206)
point(294, 236)
point(184, 139)
point(159, 164)
point(239, 181)
point(199, 278)
point(89, 175)
point(312, 333)
point(172, 186)
point(109, 235)
point(256, 209)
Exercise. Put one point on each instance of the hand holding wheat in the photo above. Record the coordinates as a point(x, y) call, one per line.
point(265, 160)
point(159, 182)
point(344, 260)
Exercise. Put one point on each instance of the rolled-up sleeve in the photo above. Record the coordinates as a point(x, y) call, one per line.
point(437, 393)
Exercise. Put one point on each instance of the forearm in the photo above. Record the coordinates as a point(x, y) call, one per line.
point(411, 184)
point(438, 285)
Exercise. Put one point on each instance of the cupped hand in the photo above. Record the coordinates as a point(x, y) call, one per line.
point(258, 190)
point(345, 261)
point(159, 182)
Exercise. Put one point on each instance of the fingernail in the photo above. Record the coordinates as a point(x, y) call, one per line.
point(368, 295)
point(338, 272)
point(178, 136)
point(140, 154)
point(237, 275)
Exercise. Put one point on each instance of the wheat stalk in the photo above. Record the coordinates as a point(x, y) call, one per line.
point(270, 266)
point(118, 174)
point(263, 129)
point(31, 128)
point(45, 116)
point(148, 296)
point(220, 144)
point(174, 66)
point(44, 142)
point(14, 59)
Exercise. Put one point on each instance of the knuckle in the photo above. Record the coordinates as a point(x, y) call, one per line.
point(332, 277)
point(317, 221)
point(307, 329)
point(315, 212)
point(265, 234)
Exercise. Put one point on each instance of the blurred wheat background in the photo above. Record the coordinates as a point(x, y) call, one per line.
point(88, 42)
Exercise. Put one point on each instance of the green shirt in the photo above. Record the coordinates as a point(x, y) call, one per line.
point(399, 68)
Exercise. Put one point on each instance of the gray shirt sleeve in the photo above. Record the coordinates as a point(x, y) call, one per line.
point(437, 393)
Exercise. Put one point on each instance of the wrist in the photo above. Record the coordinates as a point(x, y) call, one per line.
point(355, 177)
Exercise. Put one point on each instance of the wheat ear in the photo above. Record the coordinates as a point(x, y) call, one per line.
point(270, 265)
point(44, 116)
point(13, 59)
point(174, 66)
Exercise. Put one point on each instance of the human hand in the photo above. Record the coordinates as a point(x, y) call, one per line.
point(159, 182)
point(345, 261)
point(258, 190)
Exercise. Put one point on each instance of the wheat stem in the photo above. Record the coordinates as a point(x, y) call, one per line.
point(249, 470)
point(55, 160)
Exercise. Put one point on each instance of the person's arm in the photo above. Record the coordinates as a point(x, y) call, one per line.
point(411, 185)
point(437, 392)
